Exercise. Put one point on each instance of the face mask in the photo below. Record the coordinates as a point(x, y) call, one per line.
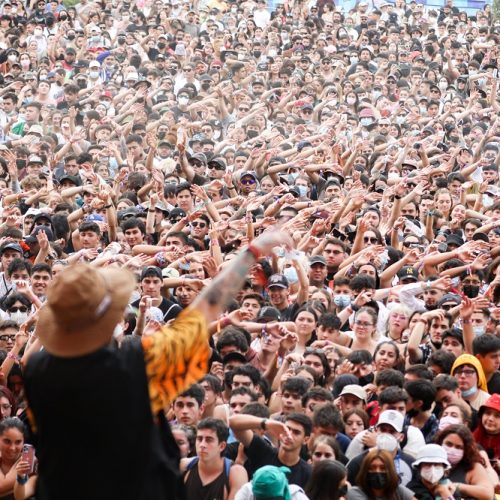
point(12, 57)
point(423, 110)
point(367, 379)
point(251, 134)
point(19, 317)
point(257, 53)
point(454, 455)
point(432, 473)
point(161, 45)
point(352, 100)
point(82, 84)
point(118, 331)
point(63, 18)
point(386, 442)
point(290, 274)
point(471, 291)
point(302, 190)
point(481, 81)
point(342, 300)
point(443, 85)
point(25, 63)
point(354, 59)
point(479, 330)
point(71, 36)
point(445, 422)
point(21, 164)
point(292, 177)
point(94, 75)
point(183, 101)
point(400, 119)
point(366, 122)
point(455, 282)
point(284, 36)
point(38, 33)
point(377, 480)
point(453, 138)
point(469, 392)
point(376, 94)
point(487, 200)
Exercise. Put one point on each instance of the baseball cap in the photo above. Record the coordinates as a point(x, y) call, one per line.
point(34, 159)
point(177, 212)
point(267, 314)
point(317, 259)
point(408, 273)
point(449, 297)
point(11, 246)
point(270, 482)
point(234, 356)
point(431, 454)
point(35, 129)
point(152, 271)
point(277, 280)
point(354, 390)
point(31, 239)
point(392, 418)
point(71, 178)
point(248, 174)
point(42, 215)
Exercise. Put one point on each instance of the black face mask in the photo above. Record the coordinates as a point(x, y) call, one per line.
point(71, 36)
point(20, 164)
point(161, 45)
point(173, 71)
point(205, 86)
point(257, 53)
point(412, 413)
point(82, 84)
point(251, 134)
point(437, 346)
point(471, 291)
point(342, 491)
point(161, 135)
point(377, 480)
point(63, 18)
point(453, 138)
point(367, 379)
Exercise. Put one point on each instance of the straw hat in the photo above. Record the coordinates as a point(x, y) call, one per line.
point(84, 304)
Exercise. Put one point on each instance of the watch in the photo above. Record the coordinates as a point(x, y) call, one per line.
point(263, 424)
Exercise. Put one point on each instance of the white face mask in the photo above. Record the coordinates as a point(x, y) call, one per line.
point(351, 100)
point(12, 57)
point(94, 75)
point(183, 100)
point(432, 473)
point(38, 33)
point(443, 85)
point(19, 317)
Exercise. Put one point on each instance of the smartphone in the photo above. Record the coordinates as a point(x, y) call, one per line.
point(28, 455)
point(442, 146)
point(321, 214)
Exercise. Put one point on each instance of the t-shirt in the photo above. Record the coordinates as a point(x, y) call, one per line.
point(261, 453)
point(169, 309)
point(356, 493)
point(494, 383)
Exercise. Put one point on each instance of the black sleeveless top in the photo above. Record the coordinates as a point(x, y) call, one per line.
point(215, 490)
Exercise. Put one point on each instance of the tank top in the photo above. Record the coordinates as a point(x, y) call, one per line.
point(215, 490)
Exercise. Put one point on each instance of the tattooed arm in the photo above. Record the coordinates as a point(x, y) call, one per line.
point(212, 301)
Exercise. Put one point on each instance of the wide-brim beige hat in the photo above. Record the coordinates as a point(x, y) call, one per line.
point(84, 304)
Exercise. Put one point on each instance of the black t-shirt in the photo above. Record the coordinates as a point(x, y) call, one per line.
point(494, 383)
point(261, 453)
point(169, 309)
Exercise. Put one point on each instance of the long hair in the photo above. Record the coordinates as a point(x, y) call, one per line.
point(471, 451)
point(392, 477)
point(325, 480)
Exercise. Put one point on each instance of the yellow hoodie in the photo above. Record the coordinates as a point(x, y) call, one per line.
point(469, 359)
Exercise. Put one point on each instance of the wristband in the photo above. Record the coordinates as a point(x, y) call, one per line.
point(108, 206)
point(254, 251)
point(397, 197)
point(13, 357)
point(230, 187)
point(466, 321)
point(22, 480)
point(263, 424)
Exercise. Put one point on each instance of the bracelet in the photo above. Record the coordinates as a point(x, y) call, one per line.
point(230, 187)
point(263, 424)
point(13, 357)
point(263, 331)
point(397, 197)
point(214, 243)
point(254, 251)
point(108, 206)
point(466, 321)
point(22, 480)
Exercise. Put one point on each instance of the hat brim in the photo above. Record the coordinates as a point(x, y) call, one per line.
point(81, 340)
point(430, 460)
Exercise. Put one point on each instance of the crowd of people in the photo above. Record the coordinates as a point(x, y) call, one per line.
point(360, 357)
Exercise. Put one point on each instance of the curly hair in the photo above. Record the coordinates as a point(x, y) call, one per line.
point(471, 451)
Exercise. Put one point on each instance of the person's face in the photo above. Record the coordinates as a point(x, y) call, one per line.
point(354, 425)
point(318, 273)
point(250, 306)
point(8, 256)
point(399, 406)
point(322, 452)
point(39, 282)
point(238, 402)
point(334, 255)
point(315, 363)
point(466, 376)
point(370, 238)
point(186, 294)
point(199, 228)
point(133, 236)
point(187, 411)
point(247, 184)
point(297, 439)
point(349, 401)
point(185, 200)
point(7, 338)
point(173, 243)
point(11, 444)
point(89, 239)
point(432, 296)
point(208, 447)
point(151, 286)
point(386, 357)
point(364, 326)
point(491, 421)
point(291, 402)
point(278, 296)
point(182, 442)
point(452, 345)
point(306, 323)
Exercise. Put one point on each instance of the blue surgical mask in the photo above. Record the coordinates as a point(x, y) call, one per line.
point(365, 122)
point(469, 392)
point(290, 274)
point(302, 190)
point(479, 330)
point(455, 282)
point(342, 300)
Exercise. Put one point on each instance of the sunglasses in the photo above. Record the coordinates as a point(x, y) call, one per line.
point(367, 239)
point(22, 309)
point(216, 166)
point(247, 182)
point(201, 225)
point(244, 109)
point(4, 338)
